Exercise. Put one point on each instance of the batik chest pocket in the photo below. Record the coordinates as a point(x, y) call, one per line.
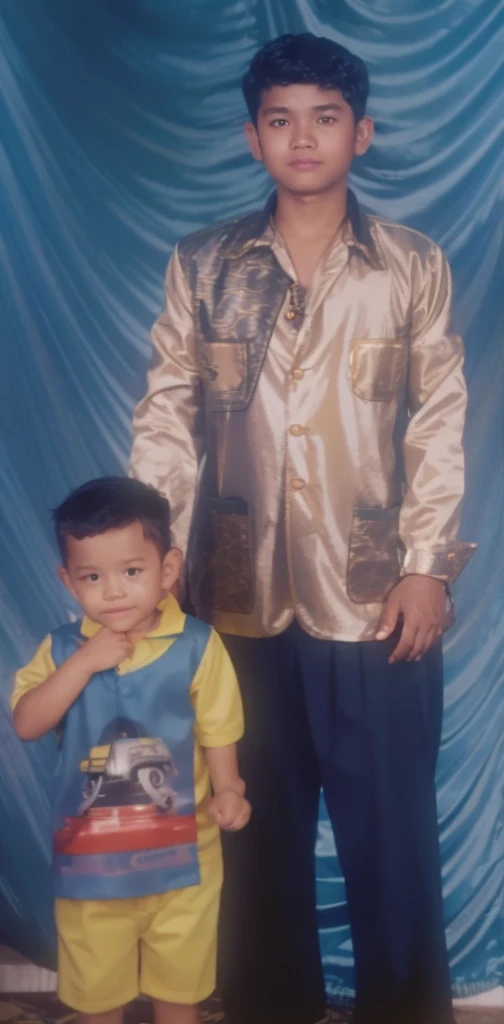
point(222, 349)
point(223, 368)
point(378, 368)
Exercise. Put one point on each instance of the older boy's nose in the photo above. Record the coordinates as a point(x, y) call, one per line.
point(302, 136)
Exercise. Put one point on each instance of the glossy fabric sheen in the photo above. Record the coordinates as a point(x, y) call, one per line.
point(122, 133)
point(325, 443)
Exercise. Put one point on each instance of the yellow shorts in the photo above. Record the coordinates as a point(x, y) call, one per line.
point(164, 946)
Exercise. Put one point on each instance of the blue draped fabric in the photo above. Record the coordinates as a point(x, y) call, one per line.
point(122, 132)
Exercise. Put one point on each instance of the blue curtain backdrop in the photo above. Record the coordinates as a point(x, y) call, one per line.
point(121, 132)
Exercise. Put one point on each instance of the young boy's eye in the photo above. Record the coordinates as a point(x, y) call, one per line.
point(132, 572)
point(92, 577)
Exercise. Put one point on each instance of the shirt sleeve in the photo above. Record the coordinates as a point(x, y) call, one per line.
point(167, 423)
point(433, 451)
point(216, 699)
point(34, 673)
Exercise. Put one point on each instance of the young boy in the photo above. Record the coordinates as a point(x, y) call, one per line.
point(306, 351)
point(149, 713)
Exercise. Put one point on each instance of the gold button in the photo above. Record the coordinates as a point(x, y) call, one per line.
point(451, 554)
point(291, 314)
point(298, 374)
point(296, 430)
point(297, 484)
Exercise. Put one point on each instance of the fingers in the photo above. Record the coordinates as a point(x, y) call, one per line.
point(420, 602)
point(233, 818)
point(221, 818)
point(420, 645)
point(129, 643)
point(224, 821)
point(430, 638)
point(223, 815)
point(414, 642)
point(405, 645)
point(388, 621)
point(240, 820)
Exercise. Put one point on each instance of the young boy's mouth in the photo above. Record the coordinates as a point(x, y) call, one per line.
point(118, 611)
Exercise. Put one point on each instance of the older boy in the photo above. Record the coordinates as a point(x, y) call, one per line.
point(306, 351)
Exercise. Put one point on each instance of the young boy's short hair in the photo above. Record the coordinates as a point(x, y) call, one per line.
point(109, 503)
point(306, 59)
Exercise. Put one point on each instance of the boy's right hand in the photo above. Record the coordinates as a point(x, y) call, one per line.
point(106, 649)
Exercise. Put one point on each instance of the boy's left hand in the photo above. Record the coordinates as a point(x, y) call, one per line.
point(230, 810)
point(420, 602)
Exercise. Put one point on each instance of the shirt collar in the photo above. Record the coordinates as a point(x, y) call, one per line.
point(258, 229)
point(171, 623)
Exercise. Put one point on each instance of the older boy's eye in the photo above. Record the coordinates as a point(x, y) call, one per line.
point(327, 119)
point(279, 122)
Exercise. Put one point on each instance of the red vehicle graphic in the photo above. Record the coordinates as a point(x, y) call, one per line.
point(128, 801)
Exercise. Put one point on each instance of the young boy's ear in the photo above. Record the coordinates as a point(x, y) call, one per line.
point(172, 567)
point(65, 579)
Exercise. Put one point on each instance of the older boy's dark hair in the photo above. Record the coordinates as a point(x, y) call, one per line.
point(109, 503)
point(306, 59)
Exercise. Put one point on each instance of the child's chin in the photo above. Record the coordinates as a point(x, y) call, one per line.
point(119, 623)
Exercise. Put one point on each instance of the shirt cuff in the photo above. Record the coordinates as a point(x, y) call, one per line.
point(446, 564)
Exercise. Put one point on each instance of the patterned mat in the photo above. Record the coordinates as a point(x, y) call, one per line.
point(45, 1009)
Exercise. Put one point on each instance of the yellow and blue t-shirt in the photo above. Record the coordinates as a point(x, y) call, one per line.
point(132, 787)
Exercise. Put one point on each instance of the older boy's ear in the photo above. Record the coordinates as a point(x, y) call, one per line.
point(172, 567)
point(253, 140)
point(65, 579)
point(364, 132)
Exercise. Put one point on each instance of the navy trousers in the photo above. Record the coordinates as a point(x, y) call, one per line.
point(336, 715)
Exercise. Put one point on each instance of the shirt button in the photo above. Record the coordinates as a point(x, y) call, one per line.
point(298, 374)
point(296, 430)
point(297, 484)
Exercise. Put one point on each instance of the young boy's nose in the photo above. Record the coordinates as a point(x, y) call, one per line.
point(113, 587)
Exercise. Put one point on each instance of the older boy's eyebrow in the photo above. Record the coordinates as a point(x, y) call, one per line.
point(275, 110)
point(320, 108)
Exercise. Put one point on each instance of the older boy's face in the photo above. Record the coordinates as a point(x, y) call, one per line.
point(307, 137)
point(119, 577)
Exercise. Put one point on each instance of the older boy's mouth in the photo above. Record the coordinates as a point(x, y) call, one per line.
point(304, 164)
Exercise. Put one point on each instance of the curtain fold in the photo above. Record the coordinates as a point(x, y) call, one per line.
point(121, 132)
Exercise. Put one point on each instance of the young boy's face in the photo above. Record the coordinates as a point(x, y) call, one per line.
point(119, 577)
point(307, 137)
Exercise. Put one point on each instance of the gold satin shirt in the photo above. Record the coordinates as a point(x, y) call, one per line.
point(359, 407)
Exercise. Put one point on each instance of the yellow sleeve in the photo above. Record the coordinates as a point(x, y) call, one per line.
point(216, 699)
point(34, 673)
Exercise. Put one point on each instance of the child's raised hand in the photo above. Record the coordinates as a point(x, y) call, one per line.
point(230, 810)
point(106, 649)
